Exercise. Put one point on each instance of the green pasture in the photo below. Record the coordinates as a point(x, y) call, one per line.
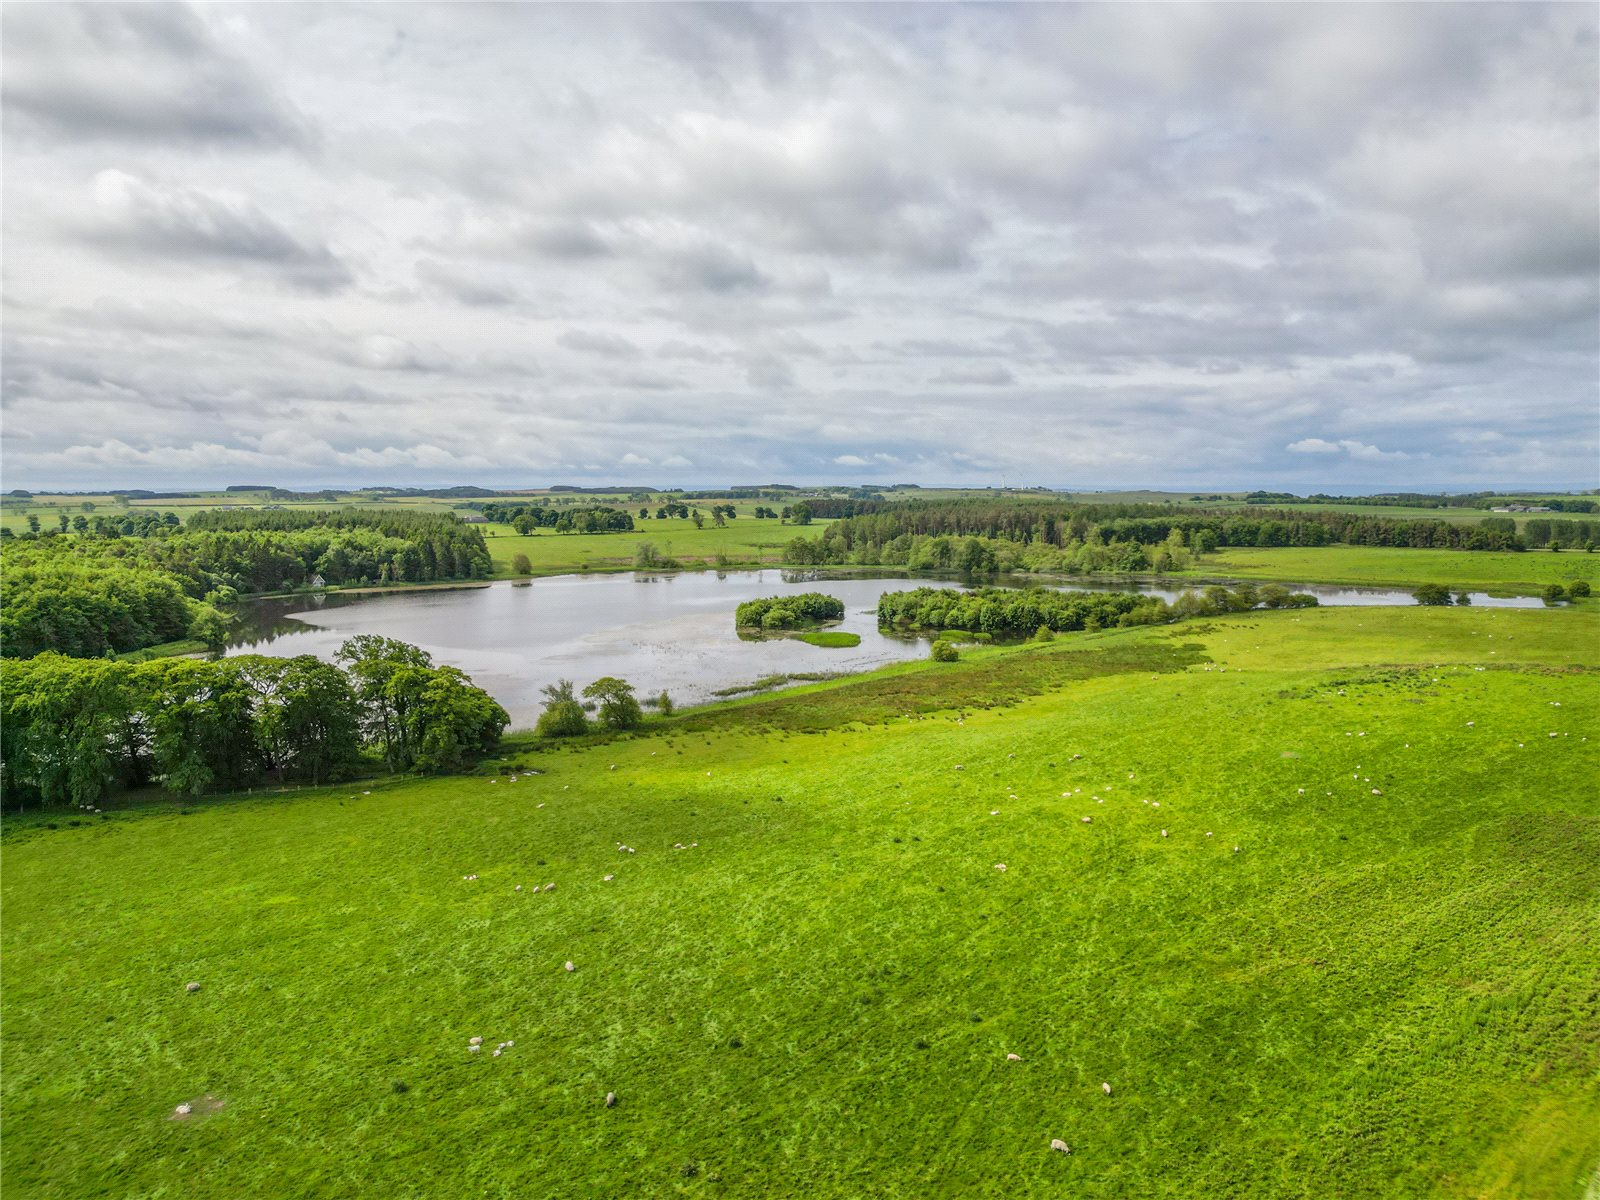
point(744, 540)
point(1477, 570)
point(1329, 931)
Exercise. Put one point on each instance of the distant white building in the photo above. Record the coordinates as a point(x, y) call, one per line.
point(317, 581)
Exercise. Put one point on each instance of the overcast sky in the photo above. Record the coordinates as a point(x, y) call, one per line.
point(1339, 248)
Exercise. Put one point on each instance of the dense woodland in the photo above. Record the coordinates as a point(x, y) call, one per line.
point(788, 612)
point(72, 729)
point(89, 596)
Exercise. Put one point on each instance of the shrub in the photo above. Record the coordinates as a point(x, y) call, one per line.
point(1044, 634)
point(944, 651)
point(563, 716)
point(1554, 593)
point(1578, 589)
point(1435, 594)
point(520, 564)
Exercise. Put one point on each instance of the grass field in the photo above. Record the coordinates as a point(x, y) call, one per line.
point(743, 540)
point(1330, 932)
point(1482, 570)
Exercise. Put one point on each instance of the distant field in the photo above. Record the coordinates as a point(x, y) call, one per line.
point(1329, 932)
point(1482, 570)
point(743, 540)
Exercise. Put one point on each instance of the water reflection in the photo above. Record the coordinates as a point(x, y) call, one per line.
point(676, 634)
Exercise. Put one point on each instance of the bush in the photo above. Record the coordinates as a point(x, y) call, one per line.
point(562, 719)
point(1578, 589)
point(563, 716)
point(520, 564)
point(1044, 634)
point(944, 651)
point(1434, 594)
point(1554, 593)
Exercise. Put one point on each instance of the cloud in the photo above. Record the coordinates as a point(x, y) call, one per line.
point(150, 73)
point(1307, 247)
point(978, 375)
point(1360, 451)
point(604, 345)
point(186, 225)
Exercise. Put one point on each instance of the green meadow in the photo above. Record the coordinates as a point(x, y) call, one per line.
point(1329, 929)
point(1483, 570)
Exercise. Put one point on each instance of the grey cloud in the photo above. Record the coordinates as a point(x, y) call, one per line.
point(605, 345)
point(146, 72)
point(186, 224)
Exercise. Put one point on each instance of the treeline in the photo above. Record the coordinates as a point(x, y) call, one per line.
point(1061, 525)
point(788, 612)
point(1013, 612)
point(1565, 535)
point(980, 555)
point(90, 608)
point(525, 518)
point(115, 525)
point(60, 591)
point(71, 730)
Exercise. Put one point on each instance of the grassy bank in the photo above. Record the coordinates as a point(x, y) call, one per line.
point(1478, 570)
point(805, 976)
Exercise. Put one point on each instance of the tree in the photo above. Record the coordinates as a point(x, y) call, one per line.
point(944, 651)
point(62, 519)
point(312, 723)
point(1433, 594)
point(800, 513)
point(563, 716)
point(80, 523)
point(454, 721)
point(520, 564)
point(33, 523)
point(618, 708)
point(1578, 589)
point(699, 519)
point(1554, 593)
point(378, 667)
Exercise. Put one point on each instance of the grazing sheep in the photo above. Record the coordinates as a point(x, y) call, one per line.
point(570, 965)
point(549, 887)
point(611, 1099)
point(999, 866)
point(475, 1041)
point(473, 1049)
point(183, 1110)
point(191, 986)
point(1106, 1088)
point(1013, 1058)
point(1088, 820)
point(1163, 833)
point(608, 878)
point(1058, 1144)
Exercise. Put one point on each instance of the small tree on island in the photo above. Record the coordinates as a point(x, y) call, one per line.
point(618, 707)
point(1433, 594)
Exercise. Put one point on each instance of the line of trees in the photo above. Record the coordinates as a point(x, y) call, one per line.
point(875, 537)
point(1024, 612)
point(73, 729)
point(91, 596)
point(525, 518)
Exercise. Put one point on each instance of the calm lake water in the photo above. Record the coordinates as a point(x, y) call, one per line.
point(672, 631)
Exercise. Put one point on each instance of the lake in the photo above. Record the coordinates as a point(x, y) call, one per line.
point(658, 631)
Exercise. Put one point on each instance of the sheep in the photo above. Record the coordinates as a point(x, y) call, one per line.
point(1088, 820)
point(191, 986)
point(1013, 1058)
point(549, 887)
point(183, 1110)
point(1058, 1144)
point(1106, 1088)
point(475, 1041)
point(611, 1099)
point(570, 965)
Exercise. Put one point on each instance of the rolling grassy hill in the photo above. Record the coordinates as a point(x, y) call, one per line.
point(1330, 930)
